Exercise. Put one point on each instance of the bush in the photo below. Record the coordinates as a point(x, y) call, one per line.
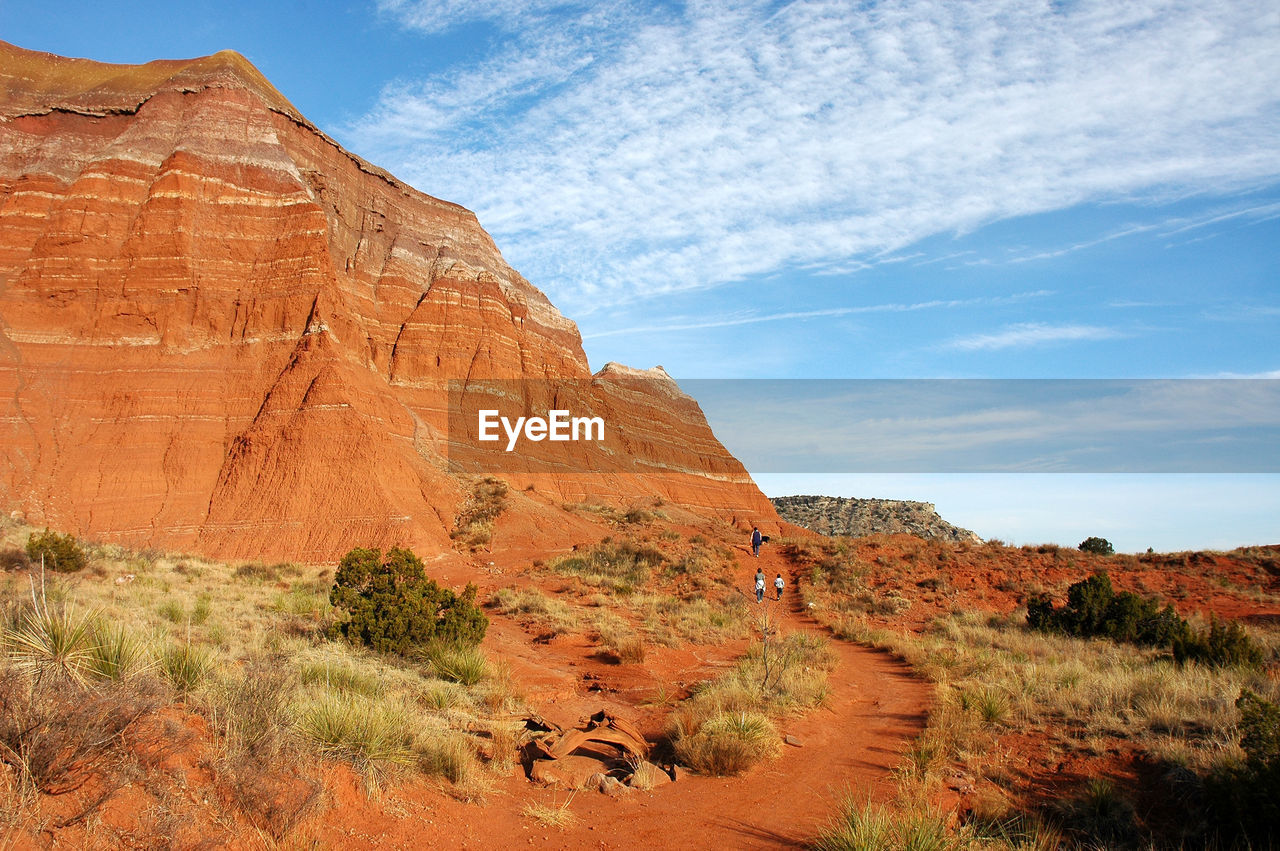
point(1246, 796)
point(55, 738)
point(1223, 644)
point(12, 558)
point(62, 553)
point(392, 606)
point(1095, 609)
point(1097, 546)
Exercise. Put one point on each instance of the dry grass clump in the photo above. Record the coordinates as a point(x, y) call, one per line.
point(539, 607)
point(619, 641)
point(373, 734)
point(554, 815)
point(458, 663)
point(913, 825)
point(728, 743)
point(618, 566)
point(474, 525)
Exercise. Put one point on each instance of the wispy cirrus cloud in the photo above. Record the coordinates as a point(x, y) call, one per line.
point(675, 325)
point(624, 150)
point(1027, 334)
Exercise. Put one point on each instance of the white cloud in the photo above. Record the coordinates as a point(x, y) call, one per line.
point(684, 324)
point(625, 151)
point(1032, 334)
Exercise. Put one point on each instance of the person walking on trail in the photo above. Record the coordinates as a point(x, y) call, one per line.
point(756, 538)
point(759, 586)
point(777, 584)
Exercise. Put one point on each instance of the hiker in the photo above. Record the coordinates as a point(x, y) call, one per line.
point(759, 586)
point(778, 583)
point(756, 538)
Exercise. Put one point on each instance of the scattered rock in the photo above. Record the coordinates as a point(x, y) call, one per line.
point(793, 741)
point(570, 772)
point(613, 787)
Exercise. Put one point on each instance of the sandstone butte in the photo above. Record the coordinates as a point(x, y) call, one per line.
point(220, 332)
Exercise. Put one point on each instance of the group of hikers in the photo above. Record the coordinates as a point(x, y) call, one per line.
point(756, 540)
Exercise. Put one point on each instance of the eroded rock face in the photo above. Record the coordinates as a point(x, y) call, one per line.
point(221, 332)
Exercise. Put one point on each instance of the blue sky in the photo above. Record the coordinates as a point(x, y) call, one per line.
point(815, 189)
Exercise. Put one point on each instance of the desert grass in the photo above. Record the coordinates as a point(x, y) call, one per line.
point(996, 680)
point(728, 743)
point(554, 815)
point(674, 591)
point(244, 646)
point(474, 525)
point(464, 664)
point(619, 566)
point(863, 825)
point(538, 607)
point(995, 677)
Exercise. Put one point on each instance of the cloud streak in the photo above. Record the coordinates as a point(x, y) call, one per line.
point(752, 318)
point(625, 151)
point(1025, 334)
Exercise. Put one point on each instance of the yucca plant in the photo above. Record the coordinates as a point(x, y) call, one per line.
point(116, 652)
point(185, 665)
point(53, 643)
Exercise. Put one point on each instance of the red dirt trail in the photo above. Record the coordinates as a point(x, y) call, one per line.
point(850, 746)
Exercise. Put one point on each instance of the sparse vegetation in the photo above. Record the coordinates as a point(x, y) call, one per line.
point(620, 566)
point(1000, 681)
point(475, 523)
point(738, 706)
point(1094, 609)
point(82, 677)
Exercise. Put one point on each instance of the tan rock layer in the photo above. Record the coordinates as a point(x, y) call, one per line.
point(219, 331)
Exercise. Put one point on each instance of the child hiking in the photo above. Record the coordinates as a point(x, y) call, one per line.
point(777, 584)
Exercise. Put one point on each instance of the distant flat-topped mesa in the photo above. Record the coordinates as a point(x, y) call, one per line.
point(220, 331)
point(836, 515)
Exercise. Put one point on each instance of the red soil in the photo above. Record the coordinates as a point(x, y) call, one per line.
point(848, 747)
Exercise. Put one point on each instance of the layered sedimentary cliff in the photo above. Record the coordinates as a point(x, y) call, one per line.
point(836, 515)
point(220, 331)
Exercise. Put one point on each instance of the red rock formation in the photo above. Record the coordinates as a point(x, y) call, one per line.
point(220, 331)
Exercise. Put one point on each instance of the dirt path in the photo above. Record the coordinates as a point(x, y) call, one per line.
point(849, 746)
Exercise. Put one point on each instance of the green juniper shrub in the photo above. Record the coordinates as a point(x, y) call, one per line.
point(62, 553)
point(1095, 609)
point(392, 606)
point(1097, 546)
point(1245, 795)
point(1223, 644)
